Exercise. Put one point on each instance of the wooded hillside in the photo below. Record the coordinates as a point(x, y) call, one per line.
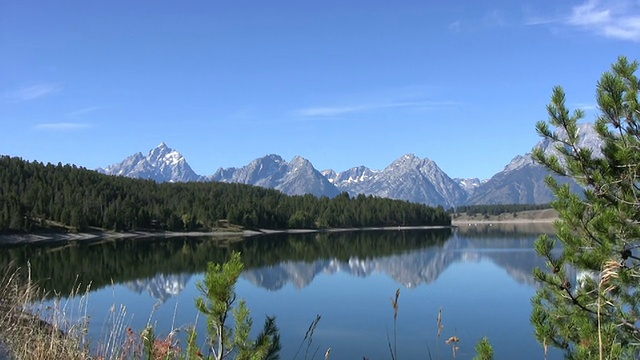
point(33, 194)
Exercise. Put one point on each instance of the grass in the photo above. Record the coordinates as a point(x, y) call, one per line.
point(28, 332)
point(308, 339)
point(60, 331)
point(31, 330)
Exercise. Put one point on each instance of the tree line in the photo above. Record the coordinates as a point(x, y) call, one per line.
point(32, 195)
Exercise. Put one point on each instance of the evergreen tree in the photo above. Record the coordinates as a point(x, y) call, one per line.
point(596, 314)
point(35, 196)
point(218, 303)
point(484, 350)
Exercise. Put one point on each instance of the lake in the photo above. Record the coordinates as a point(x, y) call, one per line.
point(480, 277)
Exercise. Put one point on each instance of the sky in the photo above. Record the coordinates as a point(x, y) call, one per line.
point(340, 83)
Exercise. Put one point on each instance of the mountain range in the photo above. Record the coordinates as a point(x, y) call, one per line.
point(407, 178)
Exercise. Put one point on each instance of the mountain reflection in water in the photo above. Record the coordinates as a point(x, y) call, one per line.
point(416, 267)
point(163, 266)
point(480, 276)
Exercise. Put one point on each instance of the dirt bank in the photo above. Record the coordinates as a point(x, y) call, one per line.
point(522, 217)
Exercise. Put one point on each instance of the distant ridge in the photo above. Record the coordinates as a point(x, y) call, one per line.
point(297, 177)
point(407, 178)
point(523, 180)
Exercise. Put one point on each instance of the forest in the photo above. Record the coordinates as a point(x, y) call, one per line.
point(34, 195)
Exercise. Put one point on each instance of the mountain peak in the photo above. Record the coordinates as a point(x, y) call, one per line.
point(298, 160)
point(519, 162)
point(407, 178)
point(271, 160)
point(275, 157)
point(162, 164)
point(409, 157)
point(523, 180)
point(405, 159)
point(161, 150)
point(411, 161)
point(297, 177)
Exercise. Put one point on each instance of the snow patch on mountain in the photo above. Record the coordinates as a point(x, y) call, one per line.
point(162, 164)
point(407, 178)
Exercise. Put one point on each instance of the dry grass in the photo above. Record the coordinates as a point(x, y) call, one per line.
point(31, 330)
point(25, 334)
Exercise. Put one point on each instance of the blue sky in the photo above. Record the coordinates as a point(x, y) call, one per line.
point(341, 83)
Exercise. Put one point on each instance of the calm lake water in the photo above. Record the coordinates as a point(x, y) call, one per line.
point(479, 277)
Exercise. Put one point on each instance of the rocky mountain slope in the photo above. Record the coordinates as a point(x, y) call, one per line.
point(297, 177)
point(469, 185)
point(523, 180)
point(354, 181)
point(407, 178)
point(162, 164)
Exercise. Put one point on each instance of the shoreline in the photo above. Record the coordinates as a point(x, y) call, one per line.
point(504, 221)
point(99, 236)
point(46, 238)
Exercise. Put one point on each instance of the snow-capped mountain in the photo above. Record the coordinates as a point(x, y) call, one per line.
point(266, 171)
point(469, 185)
point(419, 180)
point(407, 178)
point(523, 180)
point(354, 181)
point(297, 177)
point(162, 164)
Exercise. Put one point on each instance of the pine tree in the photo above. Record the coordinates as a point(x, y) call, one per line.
point(595, 315)
point(218, 303)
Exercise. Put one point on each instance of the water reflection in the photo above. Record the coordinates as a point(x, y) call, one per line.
point(160, 287)
point(480, 276)
point(163, 266)
point(513, 230)
point(64, 268)
point(411, 268)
